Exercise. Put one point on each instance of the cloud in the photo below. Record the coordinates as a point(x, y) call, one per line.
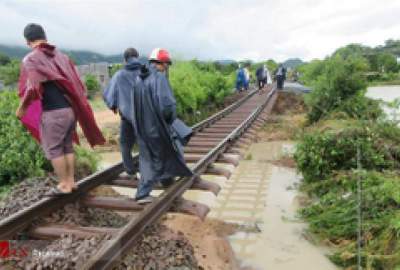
point(208, 29)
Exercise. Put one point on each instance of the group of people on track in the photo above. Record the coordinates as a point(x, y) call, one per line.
point(263, 77)
point(53, 99)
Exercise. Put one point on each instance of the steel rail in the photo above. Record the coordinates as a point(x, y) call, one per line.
point(113, 250)
point(17, 222)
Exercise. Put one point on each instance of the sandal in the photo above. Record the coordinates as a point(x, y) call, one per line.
point(55, 192)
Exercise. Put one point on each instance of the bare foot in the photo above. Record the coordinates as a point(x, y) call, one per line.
point(64, 188)
point(74, 186)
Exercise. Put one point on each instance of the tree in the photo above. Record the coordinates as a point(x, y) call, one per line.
point(92, 85)
point(341, 80)
point(386, 62)
point(271, 65)
point(352, 50)
point(4, 59)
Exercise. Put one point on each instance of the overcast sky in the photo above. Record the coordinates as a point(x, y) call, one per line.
point(206, 29)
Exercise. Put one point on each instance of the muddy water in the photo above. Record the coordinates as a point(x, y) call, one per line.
point(387, 94)
point(263, 197)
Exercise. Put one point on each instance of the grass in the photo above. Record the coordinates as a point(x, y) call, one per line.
point(97, 103)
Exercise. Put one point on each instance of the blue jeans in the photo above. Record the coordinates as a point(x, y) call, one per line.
point(127, 140)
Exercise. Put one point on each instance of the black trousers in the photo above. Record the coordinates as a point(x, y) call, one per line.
point(280, 80)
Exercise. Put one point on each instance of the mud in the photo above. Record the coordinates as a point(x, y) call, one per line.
point(209, 239)
point(289, 103)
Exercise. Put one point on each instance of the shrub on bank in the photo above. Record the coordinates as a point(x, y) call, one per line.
point(334, 217)
point(21, 156)
point(332, 145)
point(339, 81)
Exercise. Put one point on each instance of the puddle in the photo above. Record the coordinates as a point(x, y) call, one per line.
point(262, 195)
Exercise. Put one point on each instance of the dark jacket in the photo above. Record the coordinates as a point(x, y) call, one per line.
point(118, 94)
point(161, 153)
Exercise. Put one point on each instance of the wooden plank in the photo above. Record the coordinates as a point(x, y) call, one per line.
point(54, 231)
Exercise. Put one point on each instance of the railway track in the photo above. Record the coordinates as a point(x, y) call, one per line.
point(218, 139)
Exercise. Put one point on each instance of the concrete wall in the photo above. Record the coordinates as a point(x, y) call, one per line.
point(100, 70)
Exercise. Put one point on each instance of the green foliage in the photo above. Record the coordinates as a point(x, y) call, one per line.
point(4, 59)
point(334, 216)
point(360, 107)
point(197, 86)
point(9, 72)
point(114, 69)
point(329, 148)
point(21, 157)
point(386, 62)
point(340, 80)
point(92, 85)
point(311, 71)
point(353, 50)
point(86, 161)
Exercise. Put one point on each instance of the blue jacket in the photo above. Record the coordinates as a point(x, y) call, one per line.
point(118, 94)
point(240, 76)
point(161, 152)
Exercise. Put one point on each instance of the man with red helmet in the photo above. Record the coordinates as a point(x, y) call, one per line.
point(154, 116)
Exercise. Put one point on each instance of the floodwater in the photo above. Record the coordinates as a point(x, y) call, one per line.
point(263, 197)
point(386, 94)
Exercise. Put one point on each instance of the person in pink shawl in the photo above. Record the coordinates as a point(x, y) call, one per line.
point(53, 100)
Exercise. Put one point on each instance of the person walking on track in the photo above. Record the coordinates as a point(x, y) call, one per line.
point(53, 99)
point(154, 113)
point(118, 97)
point(280, 75)
point(247, 78)
point(261, 74)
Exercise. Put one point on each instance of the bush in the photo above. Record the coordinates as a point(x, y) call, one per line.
point(21, 157)
point(92, 85)
point(86, 162)
point(333, 146)
point(197, 86)
point(339, 81)
point(334, 217)
point(9, 72)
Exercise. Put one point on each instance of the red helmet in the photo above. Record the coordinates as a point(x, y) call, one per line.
point(160, 55)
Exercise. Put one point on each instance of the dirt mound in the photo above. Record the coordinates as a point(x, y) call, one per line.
point(289, 103)
point(211, 248)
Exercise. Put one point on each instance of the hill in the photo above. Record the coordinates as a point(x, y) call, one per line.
point(79, 56)
point(293, 63)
